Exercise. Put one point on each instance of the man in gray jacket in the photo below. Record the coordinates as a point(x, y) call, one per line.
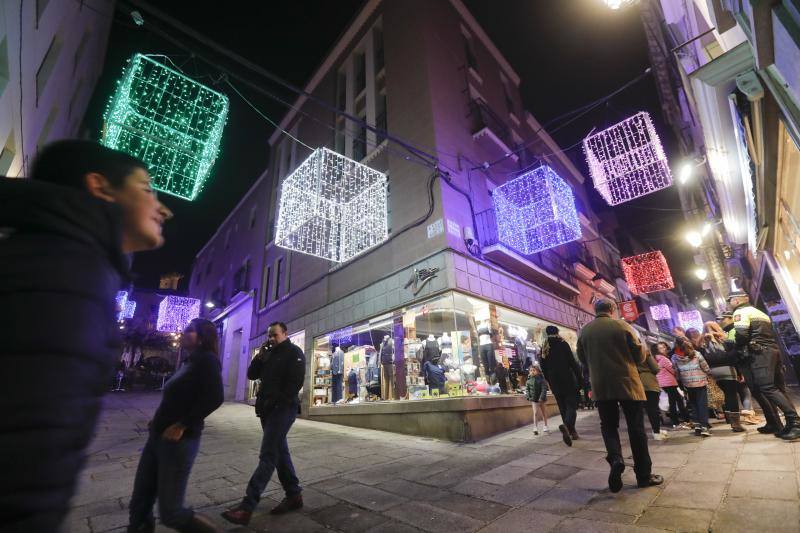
point(611, 350)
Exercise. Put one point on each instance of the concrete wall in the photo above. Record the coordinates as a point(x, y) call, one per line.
point(28, 119)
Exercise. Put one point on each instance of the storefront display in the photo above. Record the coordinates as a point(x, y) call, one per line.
point(452, 345)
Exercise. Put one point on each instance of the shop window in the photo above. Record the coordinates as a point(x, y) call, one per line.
point(265, 278)
point(278, 272)
point(452, 345)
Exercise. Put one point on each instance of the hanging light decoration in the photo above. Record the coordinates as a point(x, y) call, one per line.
point(175, 312)
point(627, 161)
point(536, 211)
point(120, 300)
point(332, 207)
point(691, 319)
point(647, 272)
point(660, 312)
point(130, 309)
point(341, 336)
point(169, 121)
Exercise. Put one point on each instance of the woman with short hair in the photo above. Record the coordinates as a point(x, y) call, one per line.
point(193, 393)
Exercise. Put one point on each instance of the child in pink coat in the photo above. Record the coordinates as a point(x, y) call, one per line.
point(669, 383)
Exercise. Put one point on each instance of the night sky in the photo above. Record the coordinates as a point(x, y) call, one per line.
point(567, 54)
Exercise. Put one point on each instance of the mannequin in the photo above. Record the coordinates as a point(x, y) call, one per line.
point(352, 385)
point(445, 342)
point(468, 369)
point(337, 374)
point(387, 368)
point(430, 349)
point(434, 375)
point(486, 350)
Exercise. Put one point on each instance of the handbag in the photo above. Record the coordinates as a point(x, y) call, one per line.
point(716, 398)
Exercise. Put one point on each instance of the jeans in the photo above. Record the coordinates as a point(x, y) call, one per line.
point(274, 455)
point(698, 396)
point(568, 407)
point(163, 473)
point(676, 406)
point(730, 387)
point(609, 426)
point(653, 411)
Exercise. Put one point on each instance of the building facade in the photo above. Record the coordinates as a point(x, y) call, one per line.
point(51, 55)
point(443, 285)
point(730, 74)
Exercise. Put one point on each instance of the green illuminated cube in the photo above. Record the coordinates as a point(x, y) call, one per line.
point(171, 122)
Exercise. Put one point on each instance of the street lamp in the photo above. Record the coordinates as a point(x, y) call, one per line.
point(210, 304)
point(705, 304)
point(701, 274)
point(685, 173)
point(707, 227)
point(618, 4)
point(694, 238)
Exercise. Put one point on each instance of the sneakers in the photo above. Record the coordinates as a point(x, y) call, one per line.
point(237, 515)
point(565, 435)
point(705, 432)
point(546, 430)
point(288, 504)
point(615, 476)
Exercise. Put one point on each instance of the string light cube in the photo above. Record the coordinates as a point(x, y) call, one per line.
point(175, 312)
point(332, 207)
point(660, 312)
point(691, 319)
point(130, 309)
point(536, 211)
point(627, 161)
point(120, 300)
point(169, 121)
point(647, 272)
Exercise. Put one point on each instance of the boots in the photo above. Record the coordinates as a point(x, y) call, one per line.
point(146, 527)
point(792, 429)
point(735, 420)
point(200, 524)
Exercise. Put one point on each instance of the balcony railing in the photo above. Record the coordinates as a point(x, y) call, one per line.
point(547, 260)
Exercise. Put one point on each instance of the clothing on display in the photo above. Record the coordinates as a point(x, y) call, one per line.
point(434, 376)
point(488, 359)
point(387, 350)
point(337, 362)
point(352, 383)
point(431, 350)
point(387, 381)
point(336, 387)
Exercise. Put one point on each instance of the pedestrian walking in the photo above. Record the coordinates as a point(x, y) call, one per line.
point(692, 372)
point(647, 373)
point(536, 393)
point(281, 367)
point(668, 382)
point(716, 355)
point(752, 332)
point(611, 350)
point(563, 374)
point(191, 394)
point(65, 236)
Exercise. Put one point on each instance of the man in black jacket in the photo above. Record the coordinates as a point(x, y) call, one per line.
point(281, 367)
point(64, 236)
point(563, 374)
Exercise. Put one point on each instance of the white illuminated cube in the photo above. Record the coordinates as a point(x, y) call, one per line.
point(332, 207)
point(627, 161)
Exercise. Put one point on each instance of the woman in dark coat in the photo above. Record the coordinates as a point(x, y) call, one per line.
point(563, 374)
point(65, 233)
point(193, 393)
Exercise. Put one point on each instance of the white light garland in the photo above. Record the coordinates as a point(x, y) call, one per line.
point(691, 319)
point(660, 312)
point(627, 161)
point(332, 207)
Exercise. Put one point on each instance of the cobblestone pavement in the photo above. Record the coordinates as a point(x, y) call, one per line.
point(361, 480)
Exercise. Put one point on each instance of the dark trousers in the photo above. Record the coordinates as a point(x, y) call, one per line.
point(653, 411)
point(761, 374)
point(274, 455)
point(568, 407)
point(698, 396)
point(676, 406)
point(730, 388)
point(609, 426)
point(163, 473)
point(336, 386)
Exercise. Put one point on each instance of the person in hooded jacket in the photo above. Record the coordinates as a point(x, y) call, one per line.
point(64, 238)
point(563, 374)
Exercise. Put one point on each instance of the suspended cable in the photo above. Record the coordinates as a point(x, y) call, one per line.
point(265, 117)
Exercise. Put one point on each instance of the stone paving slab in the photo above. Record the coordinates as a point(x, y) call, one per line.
point(371, 481)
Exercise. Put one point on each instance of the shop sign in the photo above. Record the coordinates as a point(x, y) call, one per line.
point(629, 310)
point(435, 228)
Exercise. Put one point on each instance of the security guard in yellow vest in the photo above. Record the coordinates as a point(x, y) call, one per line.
point(755, 339)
